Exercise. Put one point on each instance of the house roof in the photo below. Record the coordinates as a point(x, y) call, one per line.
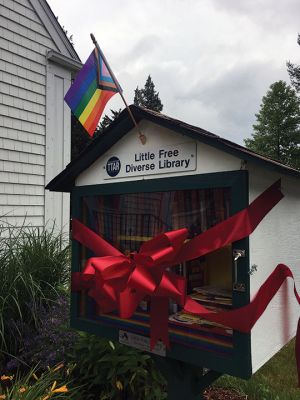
point(64, 181)
point(54, 28)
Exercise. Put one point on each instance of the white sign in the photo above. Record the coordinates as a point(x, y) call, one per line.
point(141, 342)
point(162, 160)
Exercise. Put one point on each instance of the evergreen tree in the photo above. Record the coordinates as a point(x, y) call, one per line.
point(294, 72)
point(276, 133)
point(148, 97)
point(106, 121)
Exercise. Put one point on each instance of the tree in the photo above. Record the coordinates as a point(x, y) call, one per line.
point(294, 72)
point(106, 121)
point(148, 97)
point(276, 133)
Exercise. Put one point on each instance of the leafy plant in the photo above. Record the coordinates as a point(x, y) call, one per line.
point(34, 266)
point(113, 371)
point(48, 342)
point(55, 383)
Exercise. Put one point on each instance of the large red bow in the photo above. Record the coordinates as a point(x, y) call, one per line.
point(117, 282)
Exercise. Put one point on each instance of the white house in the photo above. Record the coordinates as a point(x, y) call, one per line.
point(37, 61)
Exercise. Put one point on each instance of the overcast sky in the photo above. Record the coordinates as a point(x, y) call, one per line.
point(210, 60)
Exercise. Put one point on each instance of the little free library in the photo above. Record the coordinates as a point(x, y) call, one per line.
point(182, 244)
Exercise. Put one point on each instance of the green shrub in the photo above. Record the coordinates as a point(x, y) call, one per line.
point(34, 266)
point(47, 343)
point(113, 371)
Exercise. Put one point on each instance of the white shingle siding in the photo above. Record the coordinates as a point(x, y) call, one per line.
point(22, 94)
point(24, 147)
point(8, 12)
point(32, 169)
point(20, 211)
point(23, 9)
point(23, 83)
point(27, 29)
point(26, 105)
point(35, 37)
point(20, 156)
point(21, 200)
point(26, 179)
point(16, 50)
point(28, 190)
point(22, 136)
point(18, 221)
point(22, 115)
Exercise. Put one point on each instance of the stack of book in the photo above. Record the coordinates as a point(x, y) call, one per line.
point(185, 318)
point(213, 298)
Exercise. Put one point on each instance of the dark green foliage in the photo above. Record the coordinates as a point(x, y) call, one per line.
point(113, 371)
point(79, 137)
point(46, 343)
point(276, 133)
point(294, 72)
point(106, 121)
point(34, 266)
point(148, 97)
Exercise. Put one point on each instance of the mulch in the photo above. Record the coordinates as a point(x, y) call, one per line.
point(223, 394)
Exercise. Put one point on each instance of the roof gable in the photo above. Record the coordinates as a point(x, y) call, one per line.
point(123, 124)
point(54, 28)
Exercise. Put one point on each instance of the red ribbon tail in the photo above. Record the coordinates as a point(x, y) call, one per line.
point(297, 351)
point(159, 318)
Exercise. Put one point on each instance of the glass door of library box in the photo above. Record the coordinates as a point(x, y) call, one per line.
point(127, 214)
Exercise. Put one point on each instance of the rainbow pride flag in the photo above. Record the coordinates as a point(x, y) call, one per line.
point(90, 92)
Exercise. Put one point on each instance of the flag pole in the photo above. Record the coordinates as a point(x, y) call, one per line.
point(141, 135)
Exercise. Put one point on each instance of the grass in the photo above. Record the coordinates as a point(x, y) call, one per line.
point(276, 380)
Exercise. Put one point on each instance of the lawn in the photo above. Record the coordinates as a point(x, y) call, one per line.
point(276, 380)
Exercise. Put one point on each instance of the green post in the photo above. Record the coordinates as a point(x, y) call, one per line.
point(185, 381)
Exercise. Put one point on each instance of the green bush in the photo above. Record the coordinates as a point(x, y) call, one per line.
point(47, 343)
point(113, 371)
point(34, 266)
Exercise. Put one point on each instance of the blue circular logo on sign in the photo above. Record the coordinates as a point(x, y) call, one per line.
point(113, 166)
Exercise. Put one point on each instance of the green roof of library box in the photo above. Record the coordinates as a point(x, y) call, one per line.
point(65, 180)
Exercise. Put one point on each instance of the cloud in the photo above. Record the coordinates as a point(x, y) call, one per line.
point(210, 60)
point(270, 13)
point(227, 105)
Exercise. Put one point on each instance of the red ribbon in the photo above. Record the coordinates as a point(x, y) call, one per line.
point(117, 282)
